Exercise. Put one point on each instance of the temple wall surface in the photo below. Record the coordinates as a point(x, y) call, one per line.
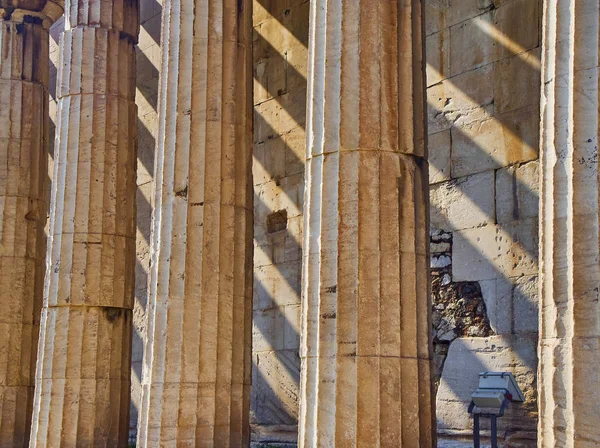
point(483, 95)
point(483, 98)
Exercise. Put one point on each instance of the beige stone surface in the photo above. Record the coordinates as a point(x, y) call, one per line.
point(197, 363)
point(365, 335)
point(570, 272)
point(82, 377)
point(24, 134)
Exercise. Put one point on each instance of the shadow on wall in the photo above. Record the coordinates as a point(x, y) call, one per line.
point(483, 109)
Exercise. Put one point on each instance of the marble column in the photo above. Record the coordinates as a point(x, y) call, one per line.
point(569, 347)
point(24, 122)
point(83, 369)
point(366, 347)
point(197, 362)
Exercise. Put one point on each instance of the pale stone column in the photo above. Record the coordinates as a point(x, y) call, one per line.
point(83, 369)
point(366, 348)
point(23, 173)
point(197, 363)
point(569, 349)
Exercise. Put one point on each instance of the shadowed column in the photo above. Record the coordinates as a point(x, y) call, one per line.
point(569, 348)
point(23, 173)
point(366, 311)
point(197, 362)
point(83, 370)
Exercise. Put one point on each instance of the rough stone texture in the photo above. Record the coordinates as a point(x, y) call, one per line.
point(483, 77)
point(24, 134)
point(280, 44)
point(82, 377)
point(570, 272)
point(196, 379)
point(471, 356)
point(366, 316)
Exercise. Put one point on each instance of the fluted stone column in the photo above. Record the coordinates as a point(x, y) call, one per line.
point(569, 364)
point(83, 370)
point(197, 363)
point(23, 173)
point(366, 344)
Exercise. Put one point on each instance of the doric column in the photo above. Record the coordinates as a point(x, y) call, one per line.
point(366, 310)
point(569, 364)
point(196, 379)
point(23, 173)
point(83, 369)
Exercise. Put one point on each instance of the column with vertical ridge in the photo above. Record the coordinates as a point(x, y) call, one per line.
point(83, 369)
point(197, 362)
point(569, 346)
point(24, 63)
point(366, 349)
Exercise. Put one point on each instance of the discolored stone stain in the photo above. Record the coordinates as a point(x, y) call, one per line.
point(112, 313)
point(182, 193)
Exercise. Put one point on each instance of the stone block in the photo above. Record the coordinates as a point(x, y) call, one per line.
point(517, 82)
point(516, 27)
point(440, 14)
point(517, 192)
point(472, 44)
point(463, 203)
point(468, 357)
point(277, 285)
point(438, 56)
point(495, 142)
point(439, 156)
point(461, 100)
point(267, 329)
point(495, 251)
point(512, 304)
point(275, 383)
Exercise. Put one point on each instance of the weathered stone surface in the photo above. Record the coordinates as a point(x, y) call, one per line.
point(197, 363)
point(570, 272)
point(463, 203)
point(494, 251)
point(366, 319)
point(439, 156)
point(23, 140)
point(468, 357)
point(82, 378)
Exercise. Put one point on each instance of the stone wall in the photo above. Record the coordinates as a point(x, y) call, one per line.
point(280, 42)
point(483, 93)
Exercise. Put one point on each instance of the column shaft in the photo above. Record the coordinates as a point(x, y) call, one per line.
point(83, 370)
point(569, 349)
point(366, 311)
point(196, 379)
point(23, 174)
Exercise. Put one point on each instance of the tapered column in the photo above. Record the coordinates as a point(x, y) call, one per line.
point(83, 369)
point(23, 173)
point(569, 364)
point(196, 378)
point(365, 307)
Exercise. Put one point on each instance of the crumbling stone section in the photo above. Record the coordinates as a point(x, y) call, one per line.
point(82, 378)
point(459, 308)
point(569, 346)
point(24, 134)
